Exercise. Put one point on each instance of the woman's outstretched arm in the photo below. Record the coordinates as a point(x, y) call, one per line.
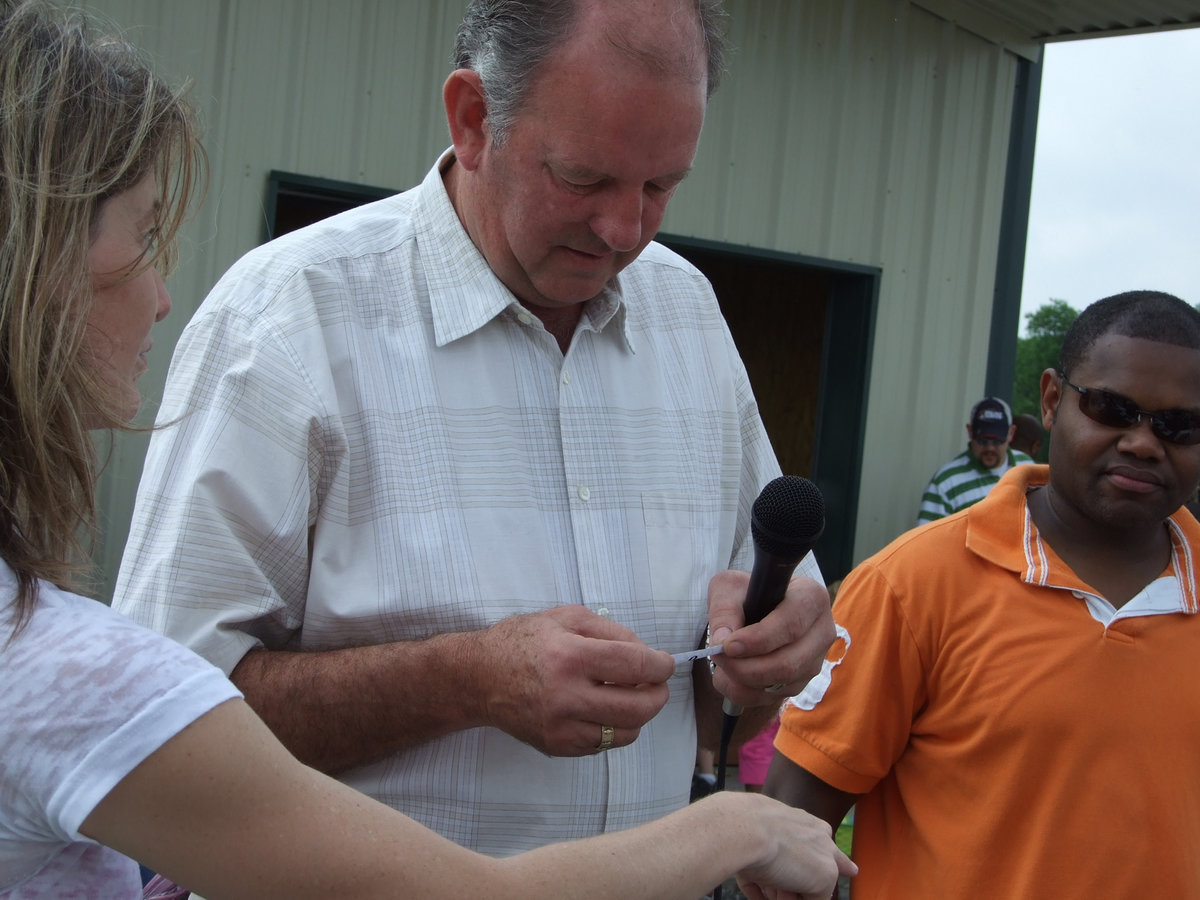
point(225, 810)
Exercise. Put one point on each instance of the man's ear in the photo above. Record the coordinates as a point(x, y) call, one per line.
point(1051, 397)
point(466, 113)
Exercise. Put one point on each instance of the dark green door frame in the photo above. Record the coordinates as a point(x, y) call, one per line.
point(1014, 232)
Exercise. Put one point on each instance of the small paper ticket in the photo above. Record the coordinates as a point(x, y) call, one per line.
point(693, 655)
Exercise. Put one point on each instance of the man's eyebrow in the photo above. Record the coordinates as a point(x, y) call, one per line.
point(675, 176)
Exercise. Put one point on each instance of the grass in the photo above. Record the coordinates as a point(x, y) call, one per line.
point(843, 836)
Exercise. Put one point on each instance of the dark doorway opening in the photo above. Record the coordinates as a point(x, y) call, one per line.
point(294, 201)
point(804, 329)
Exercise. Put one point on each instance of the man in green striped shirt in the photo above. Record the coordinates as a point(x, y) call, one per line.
point(968, 477)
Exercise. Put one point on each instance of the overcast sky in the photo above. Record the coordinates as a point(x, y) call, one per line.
point(1116, 180)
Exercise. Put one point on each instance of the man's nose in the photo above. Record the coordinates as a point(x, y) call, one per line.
point(618, 221)
point(1140, 440)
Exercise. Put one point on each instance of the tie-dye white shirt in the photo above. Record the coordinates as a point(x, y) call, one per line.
point(85, 696)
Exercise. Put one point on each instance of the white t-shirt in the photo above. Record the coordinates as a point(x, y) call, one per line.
point(85, 697)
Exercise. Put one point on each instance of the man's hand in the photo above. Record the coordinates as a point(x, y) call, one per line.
point(554, 679)
point(782, 652)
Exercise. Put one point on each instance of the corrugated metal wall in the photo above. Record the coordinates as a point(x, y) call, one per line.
point(871, 131)
point(866, 131)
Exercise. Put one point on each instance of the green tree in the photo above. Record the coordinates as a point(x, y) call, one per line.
point(1037, 351)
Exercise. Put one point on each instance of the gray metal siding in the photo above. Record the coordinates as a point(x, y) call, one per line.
point(873, 133)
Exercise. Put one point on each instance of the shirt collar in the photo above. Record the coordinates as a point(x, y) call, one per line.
point(993, 522)
point(464, 293)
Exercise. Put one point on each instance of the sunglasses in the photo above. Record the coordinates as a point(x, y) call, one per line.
point(1176, 426)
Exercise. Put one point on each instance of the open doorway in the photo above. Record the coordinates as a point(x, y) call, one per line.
point(804, 329)
point(294, 201)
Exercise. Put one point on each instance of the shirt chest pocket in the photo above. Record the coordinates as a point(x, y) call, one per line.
point(684, 539)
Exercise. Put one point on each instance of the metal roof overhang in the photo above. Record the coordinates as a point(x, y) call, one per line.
point(1024, 26)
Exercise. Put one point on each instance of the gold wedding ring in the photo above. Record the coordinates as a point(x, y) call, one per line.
point(607, 733)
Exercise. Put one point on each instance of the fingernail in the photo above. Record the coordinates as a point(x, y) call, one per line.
point(718, 636)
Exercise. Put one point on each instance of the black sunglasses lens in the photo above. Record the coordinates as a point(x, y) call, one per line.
point(1108, 409)
point(1115, 411)
point(1177, 427)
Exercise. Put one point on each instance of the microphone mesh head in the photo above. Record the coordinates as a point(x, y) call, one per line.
point(788, 516)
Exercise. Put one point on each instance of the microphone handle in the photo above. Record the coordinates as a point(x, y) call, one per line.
point(768, 583)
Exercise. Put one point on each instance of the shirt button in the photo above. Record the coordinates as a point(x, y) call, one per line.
point(1078, 595)
point(566, 377)
point(524, 318)
point(584, 492)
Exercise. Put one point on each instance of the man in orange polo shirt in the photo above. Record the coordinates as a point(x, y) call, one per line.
point(1014, 700)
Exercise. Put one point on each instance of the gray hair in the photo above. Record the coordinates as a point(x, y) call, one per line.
point(506, 41)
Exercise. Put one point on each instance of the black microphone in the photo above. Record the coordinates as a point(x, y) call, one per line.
point(786, 521)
